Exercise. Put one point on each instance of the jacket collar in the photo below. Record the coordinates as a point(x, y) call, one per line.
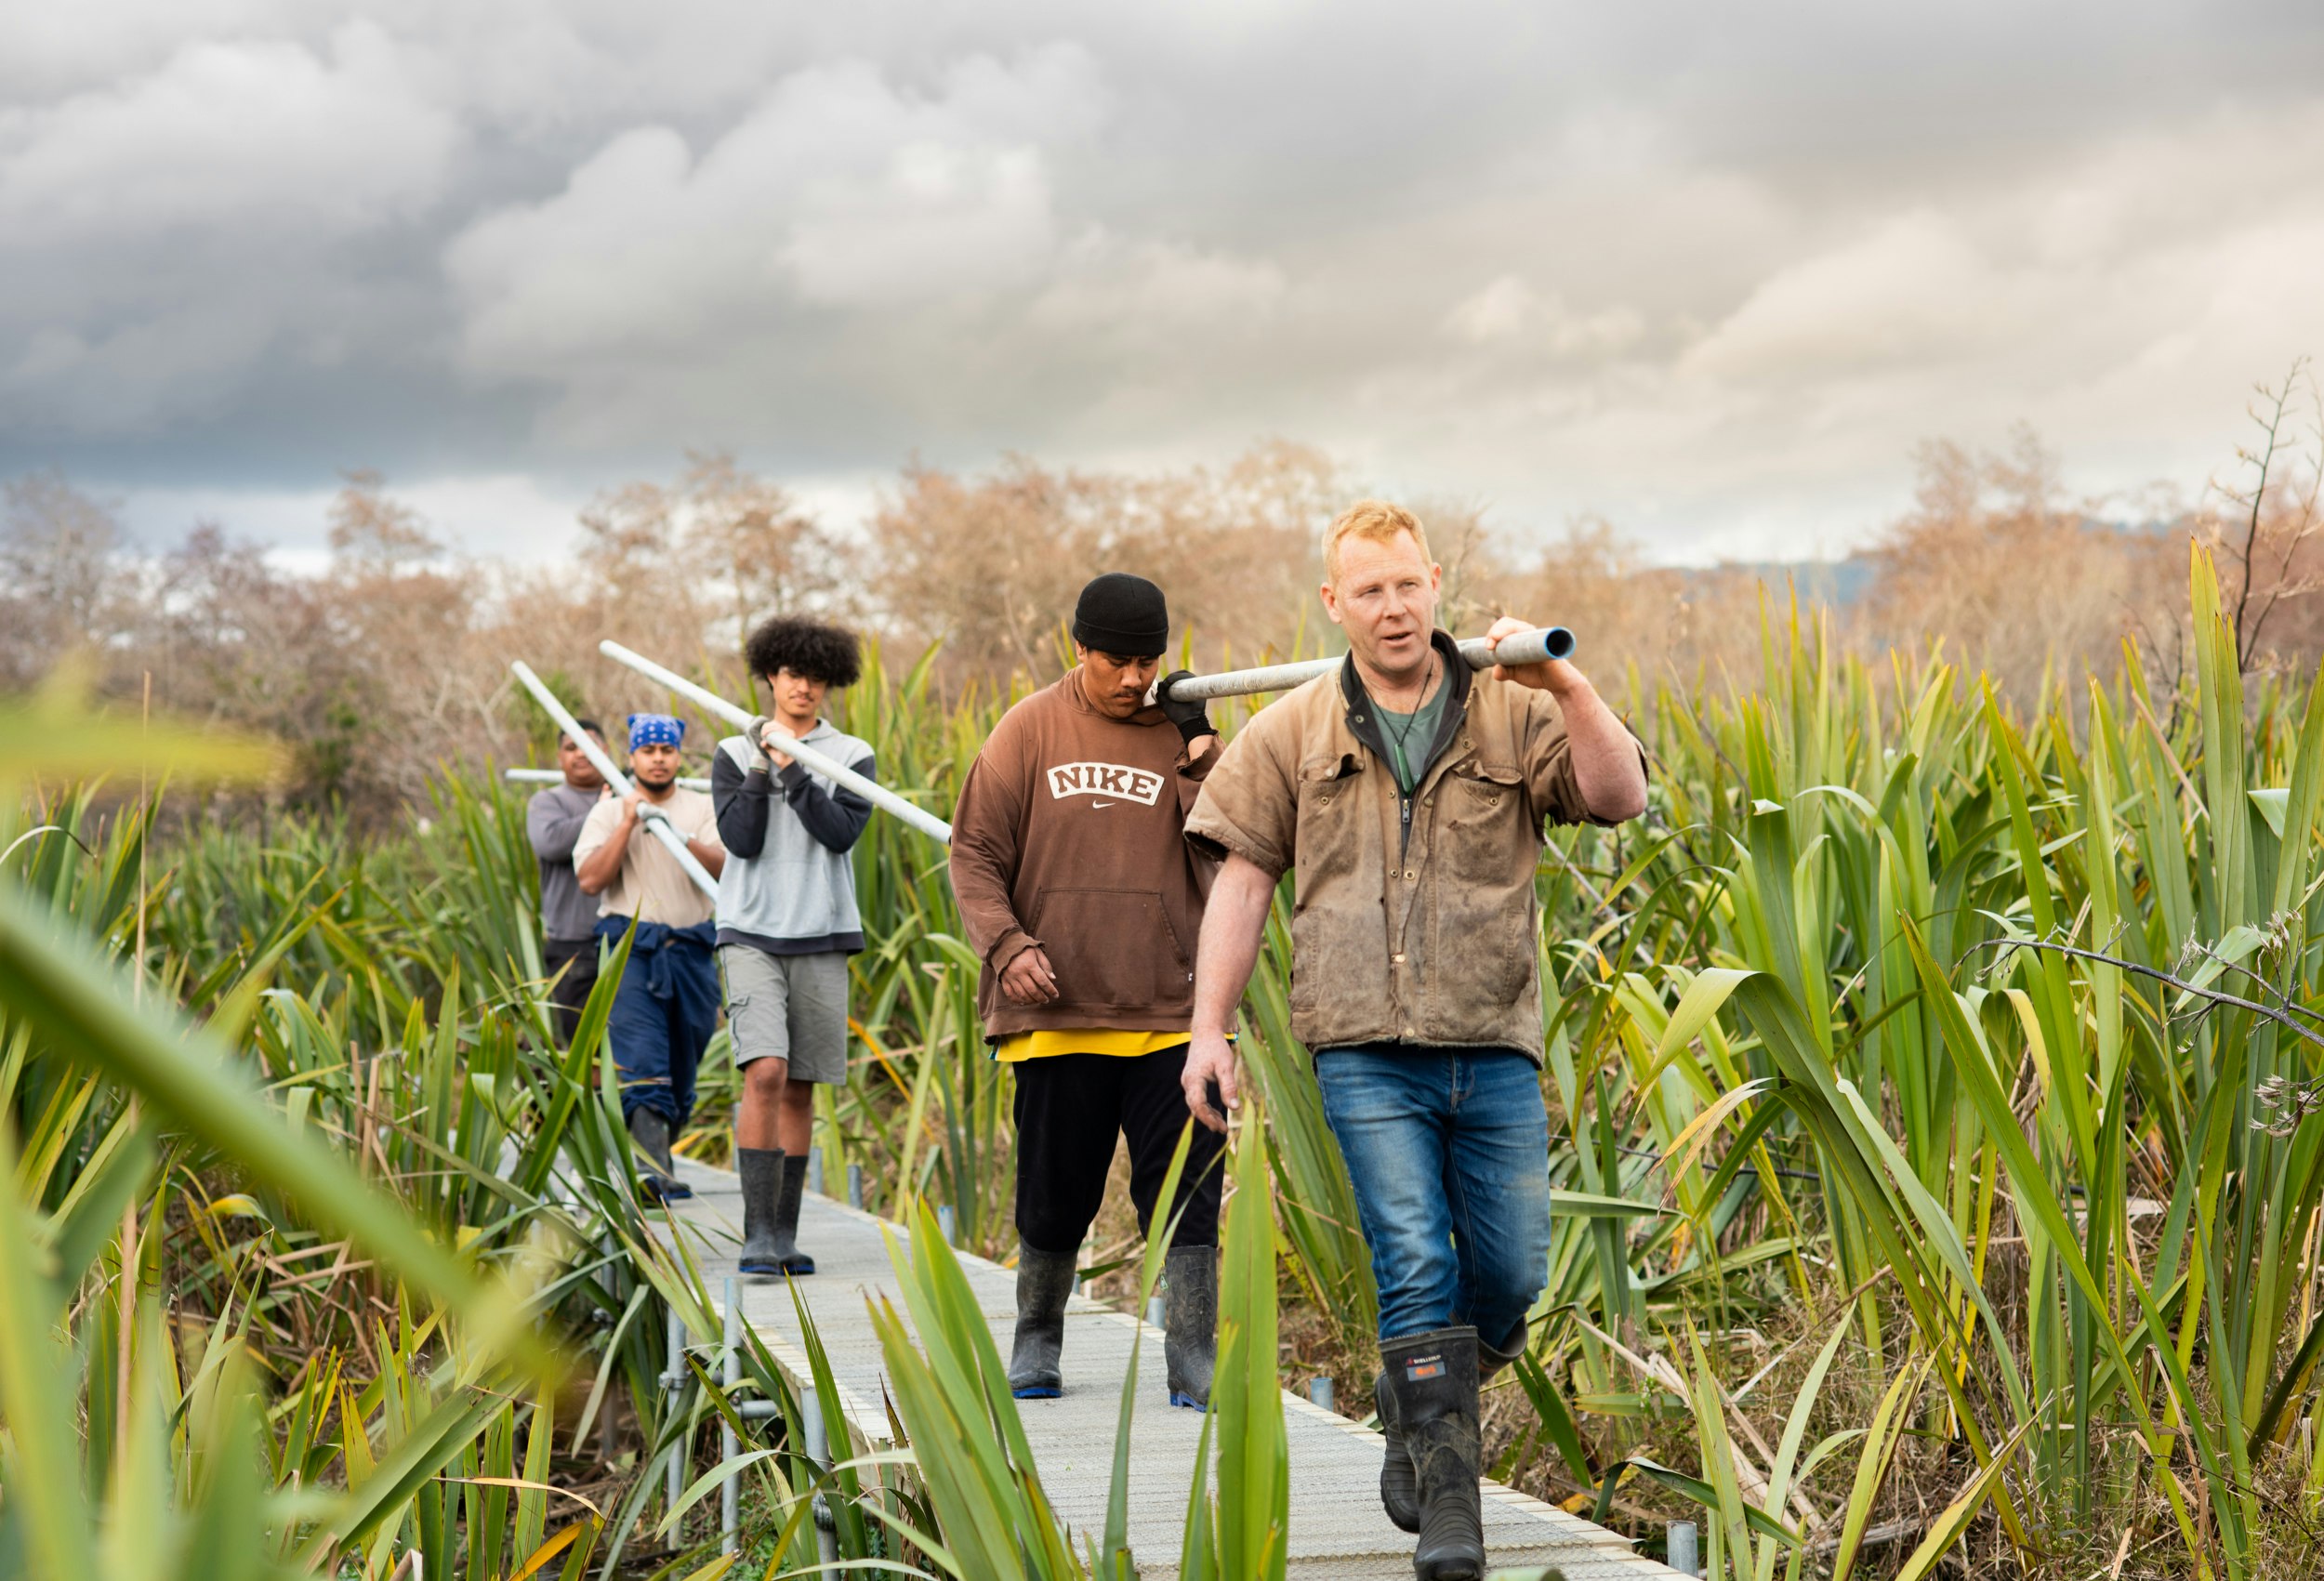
point(1363, 712)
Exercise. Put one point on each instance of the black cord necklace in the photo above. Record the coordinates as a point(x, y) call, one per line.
point(1402, 735)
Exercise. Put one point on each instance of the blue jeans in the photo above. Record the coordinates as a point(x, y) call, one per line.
point(665, 1014)
point(1448, 1149)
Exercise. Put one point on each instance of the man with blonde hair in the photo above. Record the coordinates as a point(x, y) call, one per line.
point(1409, 793)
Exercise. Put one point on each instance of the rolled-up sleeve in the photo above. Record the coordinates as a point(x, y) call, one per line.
point(1249, 802)
point(1549, 767)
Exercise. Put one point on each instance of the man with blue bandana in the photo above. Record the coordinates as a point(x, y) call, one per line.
point(668, 1004)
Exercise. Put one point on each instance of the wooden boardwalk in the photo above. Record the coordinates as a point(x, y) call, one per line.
point(1338, 1529)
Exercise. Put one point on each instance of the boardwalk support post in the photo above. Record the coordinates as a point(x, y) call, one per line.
point(674, 1385)
point(731, 1377)
point(1681, 1549)
point(610, 1248)
point(819, 1456)
point(855, 1185)
point(814, 1171)
point(1319, 1392)
point(944, 1223)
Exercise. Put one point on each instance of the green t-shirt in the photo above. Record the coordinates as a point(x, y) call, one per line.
point(1415, 731)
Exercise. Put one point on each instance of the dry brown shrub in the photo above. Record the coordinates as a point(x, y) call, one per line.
point(990, 565)
point(396, 658)
point(1639, 624)
point(2014, 577)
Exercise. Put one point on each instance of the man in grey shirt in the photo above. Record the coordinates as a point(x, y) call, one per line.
point(787, 922)
point(568, 916)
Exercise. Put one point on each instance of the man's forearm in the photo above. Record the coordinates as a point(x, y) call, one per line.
point(1233, 922)
point(1606, 763)
point(709, 853)
point(598, 870)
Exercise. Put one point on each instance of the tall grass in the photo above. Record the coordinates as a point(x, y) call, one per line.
point(1937, 1157)
point(2030, 1009)
point(1989, 1035)
point(317, 1254)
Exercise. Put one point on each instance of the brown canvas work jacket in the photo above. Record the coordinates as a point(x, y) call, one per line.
point(1070, 834)
point(1413, 919)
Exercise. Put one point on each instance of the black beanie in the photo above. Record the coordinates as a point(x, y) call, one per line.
point(1124, 615)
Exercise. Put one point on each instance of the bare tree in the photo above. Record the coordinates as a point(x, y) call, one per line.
point(1998, 562)
point(773, 558)
point(396, 658)
point(987, 566)
point(374, 534)
point(2264, 549)
point(1640, 623)
point(990, 565)
point(61, 574)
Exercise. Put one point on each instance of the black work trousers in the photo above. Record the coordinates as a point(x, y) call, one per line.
point(1070, 1107)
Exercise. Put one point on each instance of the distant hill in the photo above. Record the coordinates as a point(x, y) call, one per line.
point(1836, 582)
point(1841, 583)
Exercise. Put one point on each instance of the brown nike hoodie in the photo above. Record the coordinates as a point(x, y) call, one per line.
point(1070, 834)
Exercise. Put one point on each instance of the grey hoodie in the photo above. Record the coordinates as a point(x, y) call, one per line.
point(789, 886)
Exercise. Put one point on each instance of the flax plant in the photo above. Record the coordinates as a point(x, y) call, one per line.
point(2039, 989)
point(1991, 1035)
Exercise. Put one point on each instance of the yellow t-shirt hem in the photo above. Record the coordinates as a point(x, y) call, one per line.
point(1046, 1043)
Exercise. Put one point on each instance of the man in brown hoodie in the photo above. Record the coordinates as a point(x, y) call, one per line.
point(1080, 893)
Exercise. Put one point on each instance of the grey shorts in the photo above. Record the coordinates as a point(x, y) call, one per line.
point(788, 1008)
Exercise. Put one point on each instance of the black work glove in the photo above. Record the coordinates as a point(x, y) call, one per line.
point(1191, 718)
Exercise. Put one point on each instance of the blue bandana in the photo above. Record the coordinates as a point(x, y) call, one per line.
point(655, 729)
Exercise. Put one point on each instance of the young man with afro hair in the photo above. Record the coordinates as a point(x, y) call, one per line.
point(787, 921)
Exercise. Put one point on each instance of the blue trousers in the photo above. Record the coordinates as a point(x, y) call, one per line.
point(664, 1013)
point(1448, 1149)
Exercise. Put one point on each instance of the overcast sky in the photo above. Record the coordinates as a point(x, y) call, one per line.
point(1710, 270)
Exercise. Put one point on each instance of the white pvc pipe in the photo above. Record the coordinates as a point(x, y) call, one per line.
point(551, 777)
point(1525, 647)
point(662, 830)
point(830, 768)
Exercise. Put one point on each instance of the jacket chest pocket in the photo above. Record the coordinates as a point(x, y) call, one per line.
point(1336, 936)
point(1480, 830)
point(1331, 812)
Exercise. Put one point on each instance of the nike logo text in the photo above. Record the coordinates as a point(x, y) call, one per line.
point(1141, 786)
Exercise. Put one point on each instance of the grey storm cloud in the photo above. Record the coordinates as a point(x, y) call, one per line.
point(1711, 270)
